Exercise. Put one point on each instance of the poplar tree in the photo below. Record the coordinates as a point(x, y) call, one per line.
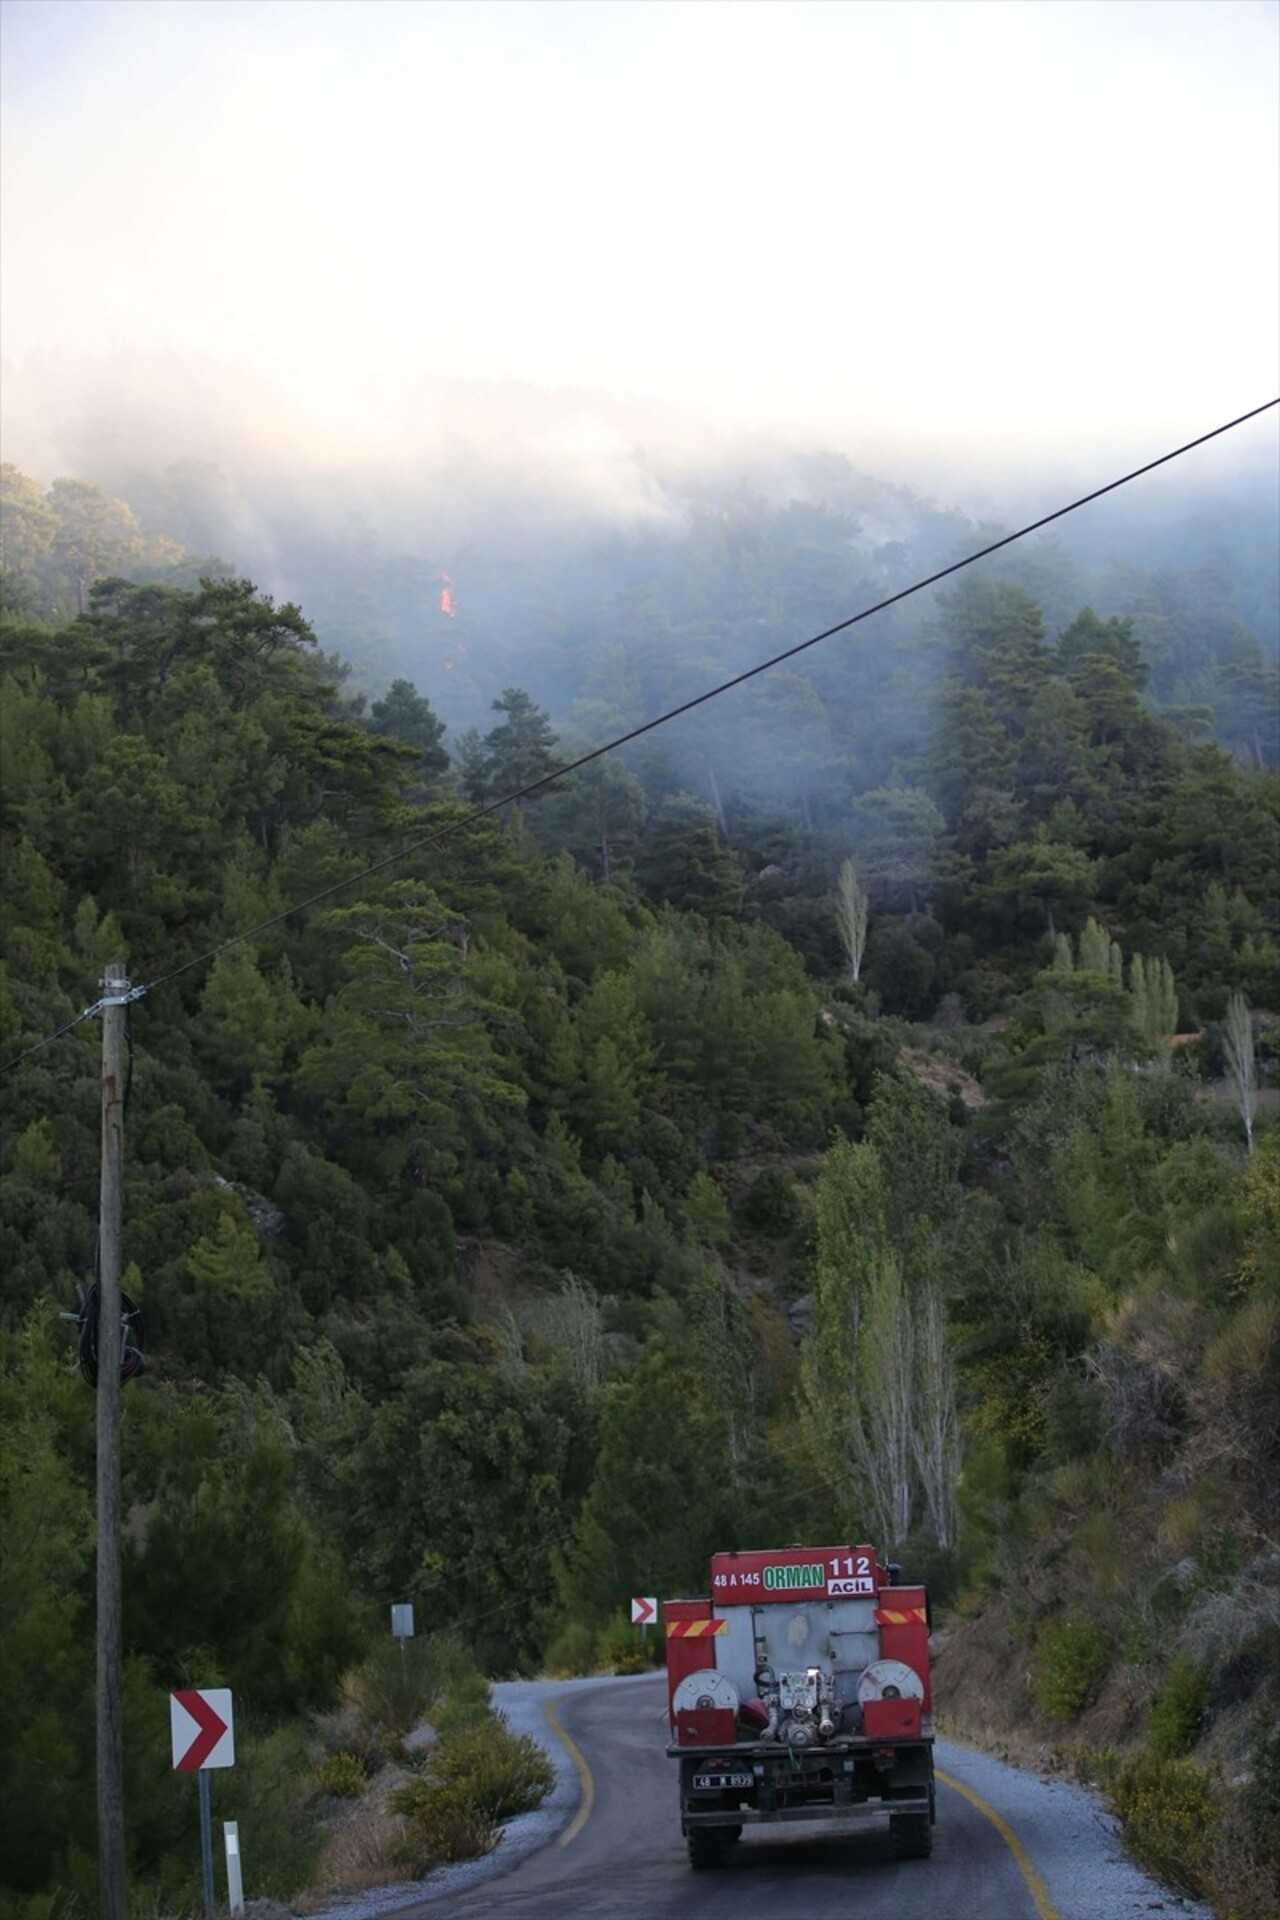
point(884, 1406)
point(851, 917)
point(1241, 1062)
point(1155, 1001)
point(935, 1433)
point(878, 1388)
point(1099, 953)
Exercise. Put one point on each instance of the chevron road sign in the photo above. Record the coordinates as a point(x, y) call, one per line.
point(200, 1722)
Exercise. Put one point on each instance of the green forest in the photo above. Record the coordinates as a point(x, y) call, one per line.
point(848, 1113)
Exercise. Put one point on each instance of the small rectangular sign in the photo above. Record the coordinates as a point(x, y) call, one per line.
point(644, 1611)
point(402, 1622)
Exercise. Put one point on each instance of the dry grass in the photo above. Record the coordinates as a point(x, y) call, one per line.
point(362, 1848)
point(981, 1695)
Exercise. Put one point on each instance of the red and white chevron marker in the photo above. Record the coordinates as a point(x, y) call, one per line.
point(201, 1725)
point(644, 1611)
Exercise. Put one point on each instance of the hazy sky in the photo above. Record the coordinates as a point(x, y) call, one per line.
point(1014, 225)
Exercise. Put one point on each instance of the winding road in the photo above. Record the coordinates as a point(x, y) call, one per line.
point(1007, 1845)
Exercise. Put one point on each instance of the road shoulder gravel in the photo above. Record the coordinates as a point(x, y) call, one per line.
point(1071, 1839)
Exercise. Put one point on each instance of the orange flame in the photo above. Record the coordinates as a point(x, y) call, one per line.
point(446, 595)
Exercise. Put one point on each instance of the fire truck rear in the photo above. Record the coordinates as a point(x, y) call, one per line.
point(799, 1690)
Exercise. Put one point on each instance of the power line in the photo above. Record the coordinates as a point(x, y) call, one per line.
point(438, 839)
point(135, 993)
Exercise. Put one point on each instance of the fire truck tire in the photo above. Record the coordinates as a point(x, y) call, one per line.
point(707, 1847)
point(912, 1835)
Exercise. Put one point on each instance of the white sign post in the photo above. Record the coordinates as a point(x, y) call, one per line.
point(235, 1884)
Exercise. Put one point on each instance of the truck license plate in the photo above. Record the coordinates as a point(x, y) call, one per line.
point(714, 1782)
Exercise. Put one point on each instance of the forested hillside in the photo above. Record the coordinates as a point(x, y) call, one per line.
point(849, 1115)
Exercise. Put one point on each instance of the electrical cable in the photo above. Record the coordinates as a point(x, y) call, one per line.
point(135, 993)
point(49, 1038)
point(438, 839)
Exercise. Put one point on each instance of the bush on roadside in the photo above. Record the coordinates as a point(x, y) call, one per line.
point(466, 1703)
point(477, 1776)
point(1169, 1814)
point(1178, 1711)
point(623, 1648)
point(449, 1826)
point(402, 1681)
point(344, 1776)
point(266, 1792)
point(1247, 1876)
point(1197, 1831)
point(572, 1653)
point(1097, 1767)
point(1070, 1665)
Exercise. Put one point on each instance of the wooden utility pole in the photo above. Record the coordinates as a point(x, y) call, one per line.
point(111, 1860)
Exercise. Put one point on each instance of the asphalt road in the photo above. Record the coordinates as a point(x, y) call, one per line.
point(1043, 1853)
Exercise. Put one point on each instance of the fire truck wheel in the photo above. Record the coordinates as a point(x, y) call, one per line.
point(706, 1847)
point(912, 1835)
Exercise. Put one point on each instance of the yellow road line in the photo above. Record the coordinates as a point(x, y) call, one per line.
point(1039, 1892)
point(588, 1785)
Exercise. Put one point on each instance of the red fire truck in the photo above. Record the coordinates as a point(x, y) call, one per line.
point(798, 1689)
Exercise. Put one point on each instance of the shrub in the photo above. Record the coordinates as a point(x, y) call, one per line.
point(343, 1775)
point(506, 1772)
point(771, 1205)
point(400, 1686)
point(623, 1649)
point(466, 1703)
point(401, 1682)
point(1262, 1800)
point(1178, 1709)
point(572, 1653)
point(1250, 1867)
point(1169, 1816)
point(1070, 1664)
point(448, 1826)
point(1097, 1767)
point(476, 1777)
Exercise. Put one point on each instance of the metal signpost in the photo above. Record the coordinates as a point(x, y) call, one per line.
point(110, 1631)
point(402, 1629)
point(200, 1721)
